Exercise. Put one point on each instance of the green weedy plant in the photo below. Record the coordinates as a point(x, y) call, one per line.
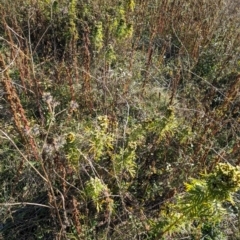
point(222, 183)
point(72, 18)
point(98, 143)
point(124, 161)
point(166, 126)
point(189, 50)
point(202, 202)
point(120, 26)
point(101, 140)
point(99, 193)
point(98, 36)
point(130, 4)
point(110, 55)
point(71, 150)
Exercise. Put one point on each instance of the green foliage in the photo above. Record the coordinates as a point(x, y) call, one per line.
point(223, 182)
point(130, 4)
point(210, 232)
point(206, 66)
point(202, 202)
point(71, 150)
point(98, 36)
point(125, 161)
point(101, 141)
point(108, 108)
point(110, 54)
point(72, 18)
point(98, 192)
point(166, 126)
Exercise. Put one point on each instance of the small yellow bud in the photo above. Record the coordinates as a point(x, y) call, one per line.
point(70, 137)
